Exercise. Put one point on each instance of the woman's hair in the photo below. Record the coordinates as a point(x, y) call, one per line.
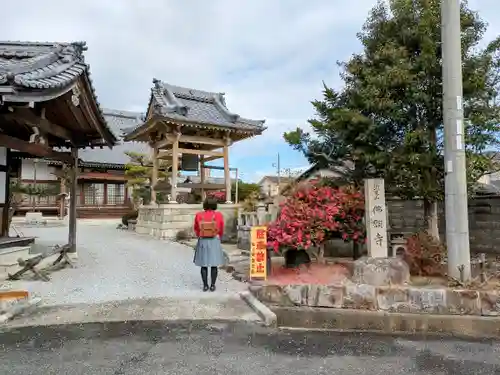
point(210, 204)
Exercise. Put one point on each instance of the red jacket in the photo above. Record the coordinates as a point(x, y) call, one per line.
point(207, 216)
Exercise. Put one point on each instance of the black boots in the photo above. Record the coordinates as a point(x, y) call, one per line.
point(204, 278)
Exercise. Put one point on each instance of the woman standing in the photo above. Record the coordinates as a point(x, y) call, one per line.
point(209, 228)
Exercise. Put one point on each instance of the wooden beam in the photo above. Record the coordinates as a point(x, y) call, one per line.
point(200, 152)
point(216, 167)
point(154, 173)
point(89, 111)
point(190, 139)
point(167, 154)
point(33, 148)
point(201, 140)
point(227, 175)
point(27, 116)
point(164, 154)
point(211, 158)
point(77, 114)
point(175, 167)
point(202, 171)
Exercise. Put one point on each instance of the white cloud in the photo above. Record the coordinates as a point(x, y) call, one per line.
point(270, 57)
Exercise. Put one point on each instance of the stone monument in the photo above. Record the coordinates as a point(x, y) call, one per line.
point(376, 218)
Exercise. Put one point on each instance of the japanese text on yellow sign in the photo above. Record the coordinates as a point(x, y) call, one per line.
point(258, 252)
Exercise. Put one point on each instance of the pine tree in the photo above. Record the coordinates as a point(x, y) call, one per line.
point(139, 172)
point(387, 119)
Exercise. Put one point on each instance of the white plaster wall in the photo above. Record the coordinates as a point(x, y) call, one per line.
point(269, 188)
point(43, 171)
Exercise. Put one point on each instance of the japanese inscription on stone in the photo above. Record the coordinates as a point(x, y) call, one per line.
point(376, 218)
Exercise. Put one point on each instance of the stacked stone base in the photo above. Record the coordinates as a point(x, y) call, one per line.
point(399, 299)
point(165, 221)
point(383, 285)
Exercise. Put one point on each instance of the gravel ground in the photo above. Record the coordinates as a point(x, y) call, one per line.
point(116, 264)
point(133, 348)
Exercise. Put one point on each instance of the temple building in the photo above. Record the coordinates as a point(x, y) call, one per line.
point(187, 128)
point(102, 191)
point(48, 109)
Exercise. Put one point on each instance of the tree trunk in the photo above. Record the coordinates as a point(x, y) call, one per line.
point(431, 219)
point(321, 254)
point(355, 250)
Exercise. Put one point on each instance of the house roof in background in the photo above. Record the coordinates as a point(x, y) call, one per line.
point(274, 179)
point(119, 122)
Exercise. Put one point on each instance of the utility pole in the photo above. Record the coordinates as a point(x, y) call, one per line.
point(457, 216)
point(278, 167)
point(279, 171)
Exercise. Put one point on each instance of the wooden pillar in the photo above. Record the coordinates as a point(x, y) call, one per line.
point(175, 168)
point(154, 173)
point(5, 162)
point(227, 175)
point(202, 177)
point(72, 201)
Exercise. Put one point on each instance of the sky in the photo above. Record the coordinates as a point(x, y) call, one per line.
point(270, 58)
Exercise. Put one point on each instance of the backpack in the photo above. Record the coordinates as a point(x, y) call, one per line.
point(208, 229)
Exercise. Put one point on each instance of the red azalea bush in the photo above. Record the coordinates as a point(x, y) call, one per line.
point(314, 213)
point(219, 196)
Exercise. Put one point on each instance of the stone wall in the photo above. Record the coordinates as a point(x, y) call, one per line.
point(398, 299)
point(484, 221)
point(164, 221)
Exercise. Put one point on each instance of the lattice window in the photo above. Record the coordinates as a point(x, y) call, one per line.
point(116, 194)
point(93, 194)
point(45, 200)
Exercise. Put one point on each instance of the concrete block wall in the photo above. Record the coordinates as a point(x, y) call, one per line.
point(484, 221)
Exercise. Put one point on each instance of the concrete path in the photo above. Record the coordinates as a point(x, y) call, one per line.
point(218, 308)
point(133, 348)
point(117, 265)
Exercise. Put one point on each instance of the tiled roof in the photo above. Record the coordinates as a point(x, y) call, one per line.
point(29, 65)
point(198, 107)
point(118, 121)
point(42, 67)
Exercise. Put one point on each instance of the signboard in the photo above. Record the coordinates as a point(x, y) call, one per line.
point(258, 253)
point(376, 218)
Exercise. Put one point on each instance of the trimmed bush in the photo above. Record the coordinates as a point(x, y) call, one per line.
point(129, 216)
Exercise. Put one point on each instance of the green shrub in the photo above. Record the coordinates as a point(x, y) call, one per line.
point(182, 235)
point(129, 216)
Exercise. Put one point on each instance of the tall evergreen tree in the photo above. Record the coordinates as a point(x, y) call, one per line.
point(387, 119)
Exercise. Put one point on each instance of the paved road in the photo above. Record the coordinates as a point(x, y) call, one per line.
point(115, 265)
point(224, 349)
